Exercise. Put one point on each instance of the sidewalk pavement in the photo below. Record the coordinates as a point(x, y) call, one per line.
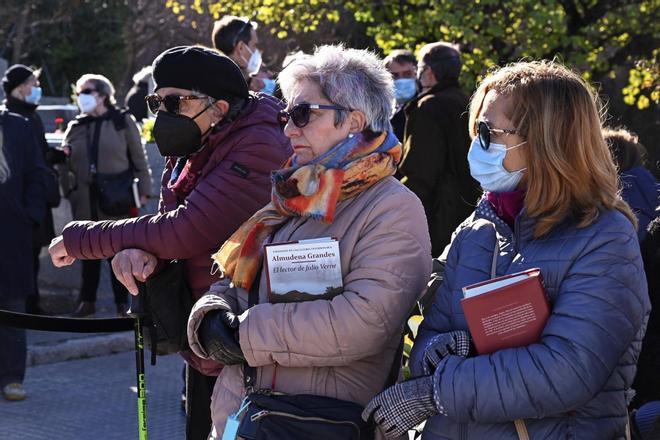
point(96, 399)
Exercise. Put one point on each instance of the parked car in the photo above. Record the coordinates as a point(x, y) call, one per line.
point(55, 118)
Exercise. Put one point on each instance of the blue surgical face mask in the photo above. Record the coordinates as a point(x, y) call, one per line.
point(269, 86)
point(254, 63)
point(404, 89)
point(35, 96)
point(487, 169)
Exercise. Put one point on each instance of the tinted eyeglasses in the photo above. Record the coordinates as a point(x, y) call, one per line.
point(85, 92)
point(484, 131)
point(172, 103)
point(299, 114)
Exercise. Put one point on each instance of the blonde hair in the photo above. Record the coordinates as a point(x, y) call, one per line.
point(570, 171)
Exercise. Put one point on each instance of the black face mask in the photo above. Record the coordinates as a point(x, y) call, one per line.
point(178, 135)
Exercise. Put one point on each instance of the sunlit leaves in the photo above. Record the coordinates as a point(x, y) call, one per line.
point(490, 32)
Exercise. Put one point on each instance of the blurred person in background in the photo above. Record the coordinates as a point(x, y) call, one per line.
point(110, 134)
point(639, 188)
point(23, 201)
point(402, 64)
point(237, 38)
point(23, 94)
point(435, 144)
point(135, 98)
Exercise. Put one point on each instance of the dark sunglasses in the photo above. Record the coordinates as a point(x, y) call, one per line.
point(299, 114)
point(85, 92)
point(484, 131)
point(172, 103)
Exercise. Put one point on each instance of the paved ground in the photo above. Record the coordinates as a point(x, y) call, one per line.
point(95, 399)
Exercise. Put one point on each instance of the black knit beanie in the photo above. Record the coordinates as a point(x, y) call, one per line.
point(15, 76)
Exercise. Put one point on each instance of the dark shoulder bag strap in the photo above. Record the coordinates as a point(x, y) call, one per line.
point(250, 373)
point(93, 158)
point(131, 165)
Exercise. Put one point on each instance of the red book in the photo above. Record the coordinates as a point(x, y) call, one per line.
point(507, 311)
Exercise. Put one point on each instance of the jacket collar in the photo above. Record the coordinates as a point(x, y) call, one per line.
point(437, 88)
point(23, 108)
point(524, 225)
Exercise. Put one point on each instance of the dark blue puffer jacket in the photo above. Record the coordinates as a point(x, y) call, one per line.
point(573, 384)
point(640, 189)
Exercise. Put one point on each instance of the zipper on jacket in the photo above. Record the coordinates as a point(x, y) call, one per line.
point(516, 236)
point(264, 413)
point(462, 434)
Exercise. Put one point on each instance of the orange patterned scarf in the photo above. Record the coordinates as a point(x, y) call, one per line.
point(312, 190)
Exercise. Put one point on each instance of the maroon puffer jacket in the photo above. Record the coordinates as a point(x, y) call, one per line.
point(233, 185)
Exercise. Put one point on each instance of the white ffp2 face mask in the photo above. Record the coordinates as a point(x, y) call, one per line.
point(86, 102)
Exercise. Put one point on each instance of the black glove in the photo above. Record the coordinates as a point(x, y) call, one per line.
point(218, 334)
point(444, 344)
point(403, 406)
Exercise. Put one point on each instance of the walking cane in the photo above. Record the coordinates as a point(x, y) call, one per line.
point(137, 312)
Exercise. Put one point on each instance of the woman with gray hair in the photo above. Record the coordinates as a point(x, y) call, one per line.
point(341, 347)
point(102, 141)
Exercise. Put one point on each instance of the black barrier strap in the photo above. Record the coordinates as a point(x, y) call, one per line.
point(72, 325)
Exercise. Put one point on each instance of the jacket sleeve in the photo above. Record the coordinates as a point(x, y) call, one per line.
point(35, 174)
point(138, 156)
point(215, 208)
point(600, 307)
point(425, 155)
point(379, 291)
point(437, 319)
point(222, 295)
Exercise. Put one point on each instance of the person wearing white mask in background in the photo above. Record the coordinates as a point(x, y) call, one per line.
point(109, 134)
point(237, 38)
point(402, 64)
point(23, 94)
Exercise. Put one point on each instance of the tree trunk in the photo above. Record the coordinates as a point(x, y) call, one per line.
point(19, 39)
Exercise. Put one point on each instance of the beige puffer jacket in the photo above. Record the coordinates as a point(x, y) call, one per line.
point(344, 347)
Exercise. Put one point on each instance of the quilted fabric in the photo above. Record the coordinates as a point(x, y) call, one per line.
point(574, 383)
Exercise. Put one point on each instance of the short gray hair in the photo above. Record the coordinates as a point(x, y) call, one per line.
point(102, 85)
point(351, 78)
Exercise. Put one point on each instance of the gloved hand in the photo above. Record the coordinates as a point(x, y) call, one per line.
point(403, 406)
point(444, 344)
point(218, 334)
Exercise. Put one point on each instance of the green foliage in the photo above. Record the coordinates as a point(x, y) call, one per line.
point(593, 36)
point(148, 130)
point(644, 83)
point(282, 16)
point(68, 38)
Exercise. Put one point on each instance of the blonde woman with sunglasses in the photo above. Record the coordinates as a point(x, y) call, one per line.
point(551, 202)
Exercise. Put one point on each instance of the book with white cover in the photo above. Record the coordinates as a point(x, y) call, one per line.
point(304, 270)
